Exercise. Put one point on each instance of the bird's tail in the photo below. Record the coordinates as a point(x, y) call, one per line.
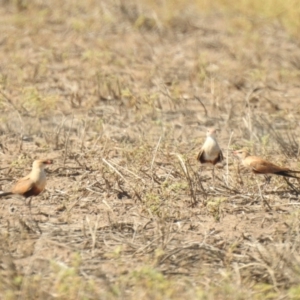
point(5, 194)
point(288, 174)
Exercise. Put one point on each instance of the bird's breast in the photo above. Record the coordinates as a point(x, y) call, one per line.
point(39, 179)
point(211, 149)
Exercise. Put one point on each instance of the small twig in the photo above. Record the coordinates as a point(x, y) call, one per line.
point(113, 168)
point(154, 154)
point(188, 177)
point(205, 110)
point(146, 246)
point(83, 136)
point(227, 158)
point(93, 231)
point(107, 204)
point(130, 172)
point(58, 130)
point(262, 197)
point(67, 141)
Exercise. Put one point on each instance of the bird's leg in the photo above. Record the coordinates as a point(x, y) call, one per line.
point(267, 182)
point(268, 179)
point(201, 172)
point(291, 185)
point(29, 205)
point(213, 175)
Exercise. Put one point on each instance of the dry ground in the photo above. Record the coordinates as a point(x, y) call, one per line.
point(120, 94)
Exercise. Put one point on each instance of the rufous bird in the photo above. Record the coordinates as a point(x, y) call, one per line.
point(260, 166)
point(32, 184)
point(210, 152)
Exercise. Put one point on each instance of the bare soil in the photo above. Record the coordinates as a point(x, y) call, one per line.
point(121, 101)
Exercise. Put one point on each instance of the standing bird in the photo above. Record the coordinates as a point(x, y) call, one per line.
point(210, 152)
point(260, 166)
point(32, 184)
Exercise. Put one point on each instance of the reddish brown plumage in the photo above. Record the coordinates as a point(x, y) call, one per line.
point(32, 184)
point(202, 159)
point(26, 188)
point(260, 166)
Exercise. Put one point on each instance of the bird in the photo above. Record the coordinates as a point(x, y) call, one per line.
point(260, 166)
point(210, 152)
point(32, 184)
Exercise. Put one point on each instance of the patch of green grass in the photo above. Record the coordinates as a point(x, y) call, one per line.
point(153, 202)
point(214, 207)
point(36, 103)
point(242, 14)
point(294, 293)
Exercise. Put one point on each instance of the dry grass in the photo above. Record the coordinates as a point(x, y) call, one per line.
point(120, 94)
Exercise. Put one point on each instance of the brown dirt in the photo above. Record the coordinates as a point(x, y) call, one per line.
point(122, 108)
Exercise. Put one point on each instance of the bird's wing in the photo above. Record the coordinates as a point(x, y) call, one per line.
point(221, 157)
point(200, 156)
point(261, 166)
point(23, 186)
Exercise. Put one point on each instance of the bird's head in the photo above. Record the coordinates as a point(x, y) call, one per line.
point(212, 132)
point(242, 153)
point(41, 163)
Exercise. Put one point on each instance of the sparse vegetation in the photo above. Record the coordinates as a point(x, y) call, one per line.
point(120, 93)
